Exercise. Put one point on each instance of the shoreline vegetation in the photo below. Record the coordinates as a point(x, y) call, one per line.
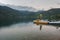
point(10, 16)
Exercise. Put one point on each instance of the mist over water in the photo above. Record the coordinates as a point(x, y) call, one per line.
point(29, 31)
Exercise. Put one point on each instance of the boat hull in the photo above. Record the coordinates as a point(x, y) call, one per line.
point(40, 22)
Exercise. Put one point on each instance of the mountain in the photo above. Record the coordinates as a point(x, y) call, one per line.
point(9, 15)
point(52, 14)
point(21, 8)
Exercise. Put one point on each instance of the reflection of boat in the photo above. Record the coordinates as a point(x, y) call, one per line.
point(38, 21)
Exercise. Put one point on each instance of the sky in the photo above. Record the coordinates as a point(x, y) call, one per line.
point(38, 4)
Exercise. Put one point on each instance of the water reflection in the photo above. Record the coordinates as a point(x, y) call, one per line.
point(40, 27)
point(29, 31)
point(57, 26)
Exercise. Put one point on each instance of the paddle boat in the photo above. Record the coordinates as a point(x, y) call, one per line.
point(40, 22)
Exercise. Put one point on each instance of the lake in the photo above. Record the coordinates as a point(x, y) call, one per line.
point(29, 31)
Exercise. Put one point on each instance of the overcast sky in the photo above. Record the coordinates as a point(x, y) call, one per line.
point(38, 4)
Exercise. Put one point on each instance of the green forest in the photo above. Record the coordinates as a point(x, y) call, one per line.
point(9, 15)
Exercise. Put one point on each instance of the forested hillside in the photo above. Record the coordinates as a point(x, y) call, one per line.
point(9, 15)
point(52, 14)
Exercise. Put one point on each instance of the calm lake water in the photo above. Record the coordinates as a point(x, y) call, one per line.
point(29, 31)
